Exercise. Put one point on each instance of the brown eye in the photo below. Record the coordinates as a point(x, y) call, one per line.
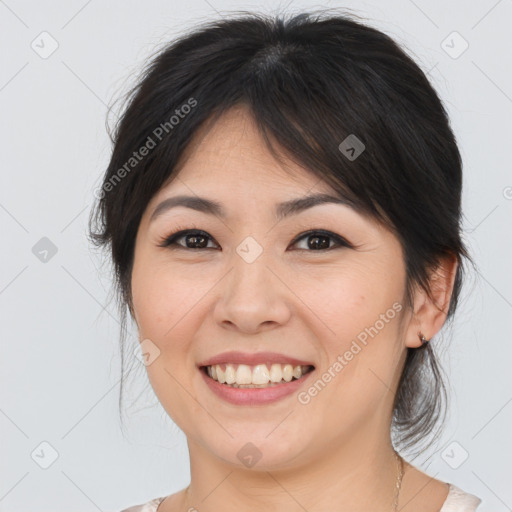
point(315, 241)
point(193, 239)
point(321, 241)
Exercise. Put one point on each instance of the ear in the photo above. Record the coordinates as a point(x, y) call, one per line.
point(430, 312)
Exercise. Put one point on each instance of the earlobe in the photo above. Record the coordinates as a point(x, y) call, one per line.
point(431, 310)
point(422, 338)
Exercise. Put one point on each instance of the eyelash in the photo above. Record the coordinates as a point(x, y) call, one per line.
point(171, 240)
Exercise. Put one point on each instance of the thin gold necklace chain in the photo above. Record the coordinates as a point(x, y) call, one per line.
point(400, 463)
point(398, 485)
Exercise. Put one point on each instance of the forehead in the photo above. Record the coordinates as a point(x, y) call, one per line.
point(231, 153)
point(229, 171)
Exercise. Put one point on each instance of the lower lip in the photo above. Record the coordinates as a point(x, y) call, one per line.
point(254, 396)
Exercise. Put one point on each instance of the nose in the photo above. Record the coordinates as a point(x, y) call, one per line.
point(252, 297)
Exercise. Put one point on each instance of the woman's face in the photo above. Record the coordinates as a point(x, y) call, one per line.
point(250, 284)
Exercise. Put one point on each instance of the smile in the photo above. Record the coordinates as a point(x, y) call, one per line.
point(256, 376)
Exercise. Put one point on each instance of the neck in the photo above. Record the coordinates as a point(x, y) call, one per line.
point(357, 476)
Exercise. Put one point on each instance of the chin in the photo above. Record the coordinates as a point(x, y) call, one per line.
point(257, 450)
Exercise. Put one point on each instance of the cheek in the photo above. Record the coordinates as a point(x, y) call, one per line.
point(158, 299)
point(168, 304)
point(361, 307)
point(353, 299)
point(164, 305)
point(151, 300)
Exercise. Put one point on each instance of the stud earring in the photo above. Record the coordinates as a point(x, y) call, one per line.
point(423, 340)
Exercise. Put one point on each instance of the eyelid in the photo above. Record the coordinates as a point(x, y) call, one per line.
point(170, 240)
point(338, 239)
point(179, 232)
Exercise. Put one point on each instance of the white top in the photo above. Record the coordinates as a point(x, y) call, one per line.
point(456, 501)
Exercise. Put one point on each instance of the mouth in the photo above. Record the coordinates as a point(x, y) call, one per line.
point(262, 375)
point(253, 379)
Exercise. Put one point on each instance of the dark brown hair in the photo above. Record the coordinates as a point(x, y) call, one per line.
point(310, 81)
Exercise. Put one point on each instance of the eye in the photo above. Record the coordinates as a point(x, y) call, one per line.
point(319, 240)
point(316, 240)
point(194, 239)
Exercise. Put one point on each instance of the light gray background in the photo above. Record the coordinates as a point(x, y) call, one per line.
point(59, 361)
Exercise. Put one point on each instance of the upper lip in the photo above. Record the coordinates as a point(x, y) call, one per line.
point(253, 359)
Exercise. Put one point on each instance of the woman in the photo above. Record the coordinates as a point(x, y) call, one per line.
point(282, 207)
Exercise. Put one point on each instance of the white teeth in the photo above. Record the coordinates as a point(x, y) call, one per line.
point(276, 374)
point(287, 372)
point(260, 375)
point(243, 375)
point(230, 374)
point(221, 376)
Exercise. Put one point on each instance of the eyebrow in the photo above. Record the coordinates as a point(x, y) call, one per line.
point(282, 210)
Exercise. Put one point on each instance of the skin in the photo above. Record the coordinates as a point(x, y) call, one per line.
point(311, 304)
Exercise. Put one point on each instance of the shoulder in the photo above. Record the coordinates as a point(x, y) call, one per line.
point(460, 501)
point(150, 506)
point(422, 491)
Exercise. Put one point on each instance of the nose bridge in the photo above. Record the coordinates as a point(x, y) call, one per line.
point(250, 261)
point(249, 250)
point(251, 295)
